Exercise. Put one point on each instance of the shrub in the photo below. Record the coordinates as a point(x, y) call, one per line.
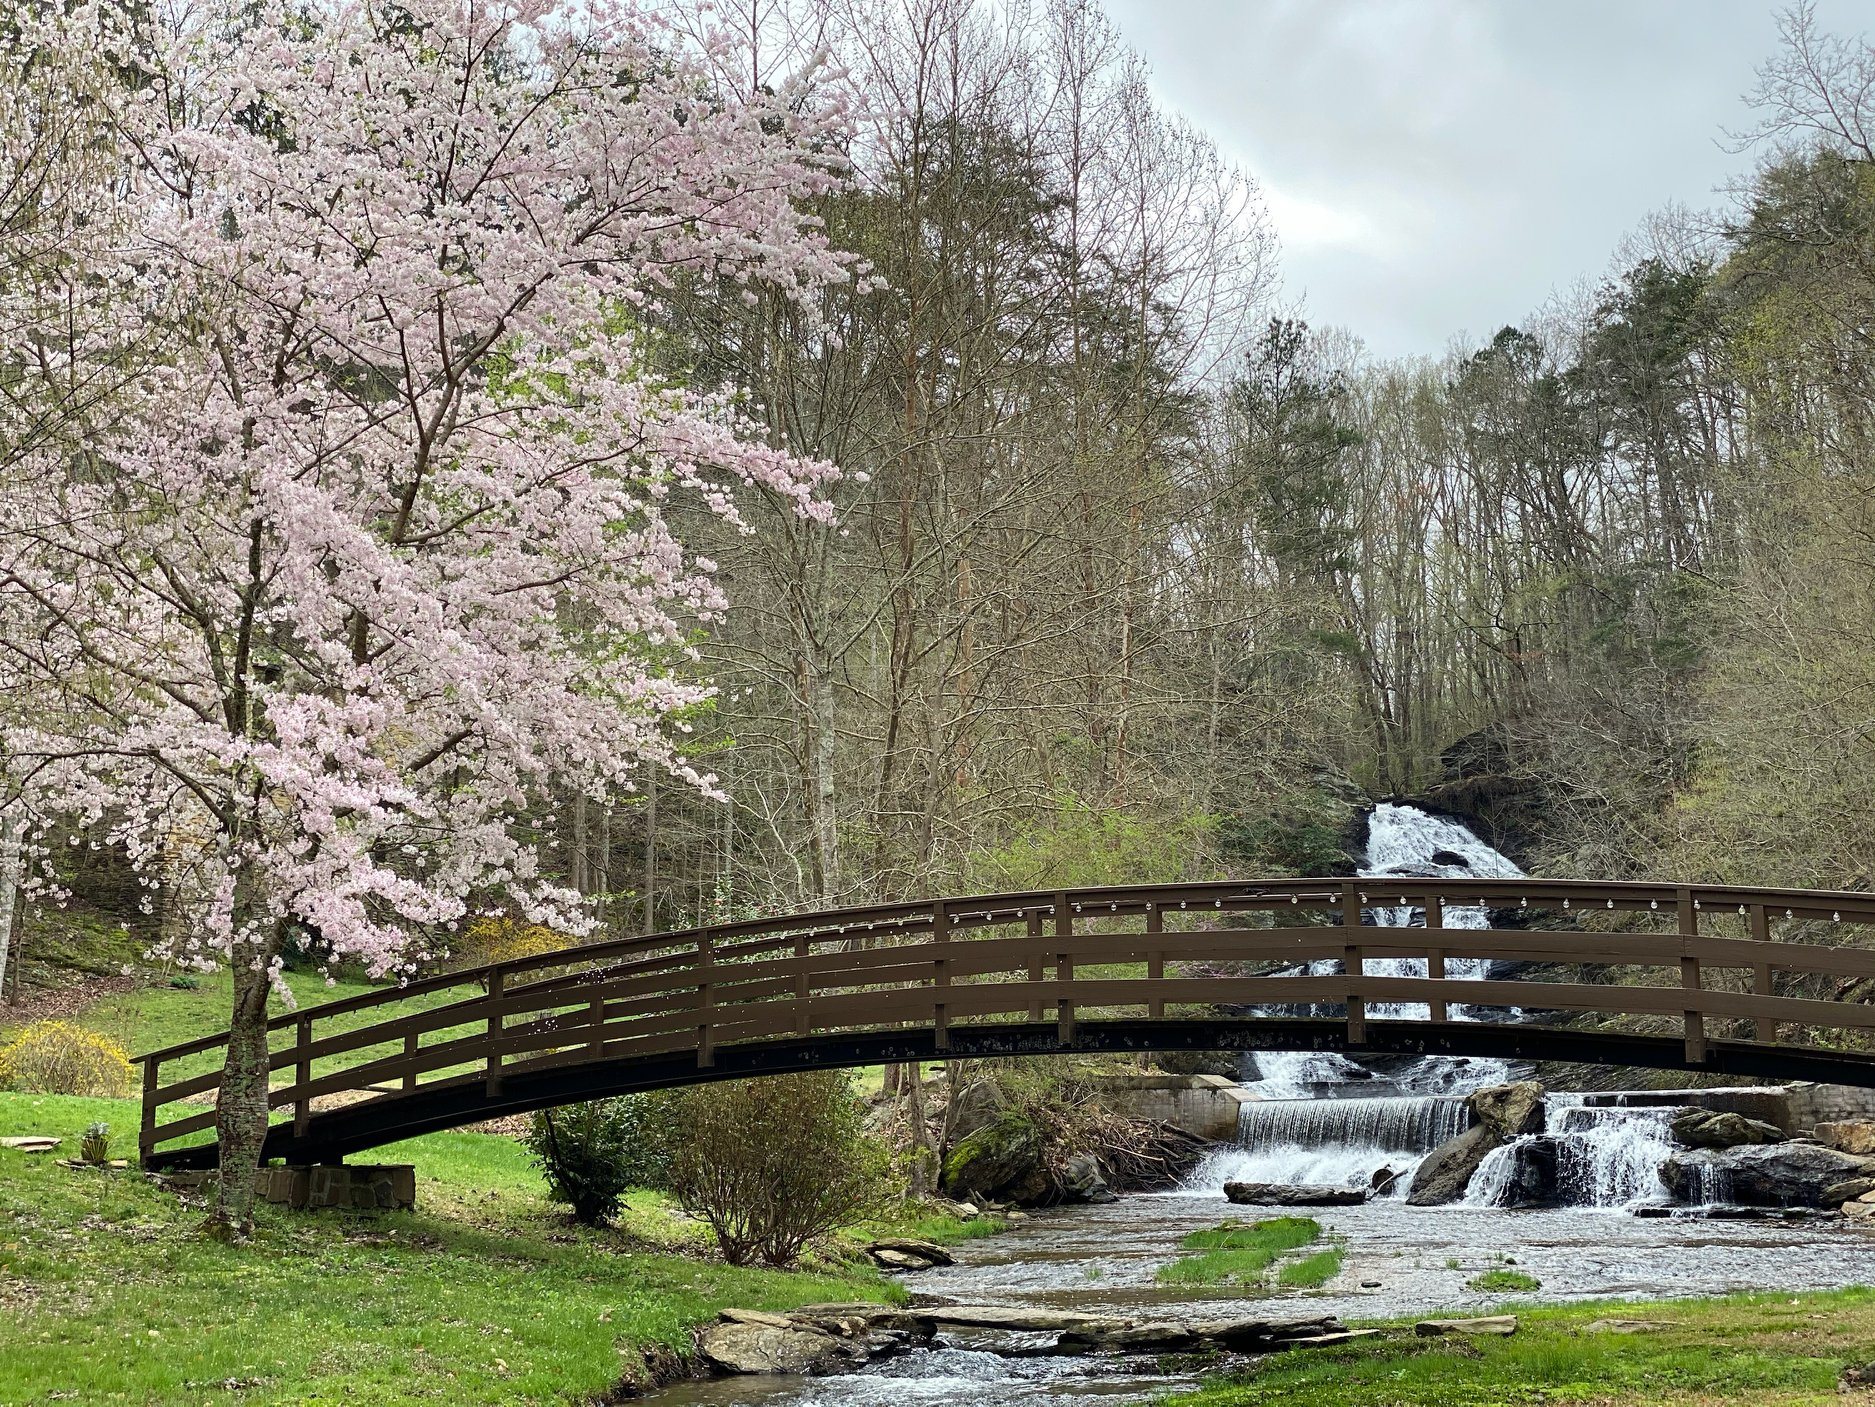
point(772, 1163)
point(95, 1146)
point(498, 938)
point(591, 1153)
point(58, 1057)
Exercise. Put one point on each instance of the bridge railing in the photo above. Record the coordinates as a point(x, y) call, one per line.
point(1668, 956)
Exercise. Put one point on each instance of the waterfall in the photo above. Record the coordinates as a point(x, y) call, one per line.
point(1338, 1142)
point(1585, 1157)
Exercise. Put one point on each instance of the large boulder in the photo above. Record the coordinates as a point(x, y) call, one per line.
point(1536, 1176)
point(979, 1103)
point(1855, 1136)
point(1082, 1180)
point(1707, 1128)
point(1002, 1161)
point(1508, 1110)
point(1300, 1194)
point(1499, 1114)
point(767, 1343)
point(1762, 1175)
point(1445, 1172)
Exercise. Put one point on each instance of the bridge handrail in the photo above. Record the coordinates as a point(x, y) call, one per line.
point(657, 987)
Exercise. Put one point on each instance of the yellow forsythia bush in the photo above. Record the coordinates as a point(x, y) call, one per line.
point(58, 1057)
point(493, 938)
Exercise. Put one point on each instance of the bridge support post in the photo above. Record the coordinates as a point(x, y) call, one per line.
point(1064, 968)
point(302, 1074)
point(146, 1130)
point(803, 985)
point(495, 988)
point(1352, 964)
point(941, 975)
point(1435, 957)
point(706, 1053)
point(1155, 959)
point(1695, 1017)
point(1762, 982)
point(1033, 926)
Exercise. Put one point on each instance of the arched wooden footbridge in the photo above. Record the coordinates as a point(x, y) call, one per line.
point(1714, 979)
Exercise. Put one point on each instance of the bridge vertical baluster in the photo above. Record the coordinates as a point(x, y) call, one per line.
point(496, 984)
point(146, 1132)
point(595, 1017)
point(1155, 962)
point(1034, 925)
point(803, 986)
point(1695, 1017)
point(940, 976)
point(1353, 966)
point(1762, 983)
point(302, 1074)
point(1435, 957)
point(1064, 968)
point(411, 1043)
point(706, 1053)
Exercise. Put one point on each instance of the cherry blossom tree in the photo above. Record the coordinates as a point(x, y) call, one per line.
point(374, 552)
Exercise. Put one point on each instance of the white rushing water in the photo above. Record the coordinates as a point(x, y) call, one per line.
point(1336, 1130)
point(1604, 1156)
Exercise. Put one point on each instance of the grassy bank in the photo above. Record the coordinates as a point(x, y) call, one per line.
point(486, 1294)
point(1763, 1350)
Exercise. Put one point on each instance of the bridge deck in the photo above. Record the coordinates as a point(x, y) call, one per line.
point(1714, 979)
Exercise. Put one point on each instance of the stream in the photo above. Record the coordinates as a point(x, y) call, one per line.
point(1326, 1118)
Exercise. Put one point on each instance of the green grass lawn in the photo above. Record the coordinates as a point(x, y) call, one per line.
point(1761, 1350)
point(486, 1294)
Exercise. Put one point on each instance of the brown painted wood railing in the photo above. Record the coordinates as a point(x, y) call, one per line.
point(1708, 959)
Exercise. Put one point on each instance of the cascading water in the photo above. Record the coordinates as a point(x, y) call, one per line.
point(1585, 1157)
point(1324, 1118)
point(1337, 1142)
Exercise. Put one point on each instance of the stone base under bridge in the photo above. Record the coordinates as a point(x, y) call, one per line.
point(363, 1187)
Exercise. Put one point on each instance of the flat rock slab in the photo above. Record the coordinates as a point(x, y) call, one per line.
point(31, 1143)
point(1500, 1325)
point(1018, 1318)
point(740, 1347)
point(1297, 1194)
point(1625, 1326)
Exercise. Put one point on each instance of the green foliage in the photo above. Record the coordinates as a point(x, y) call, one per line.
point(1078, 845)
point(1311, 1272)
point(95, 1145)
point(1503, 1282)
point(770, 1164)
point(591, 1153)
point(1238, 1253)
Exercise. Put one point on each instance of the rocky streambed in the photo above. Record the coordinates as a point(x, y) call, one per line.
point(1091, 1273)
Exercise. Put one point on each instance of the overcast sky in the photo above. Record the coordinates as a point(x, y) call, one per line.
point(1439, 167)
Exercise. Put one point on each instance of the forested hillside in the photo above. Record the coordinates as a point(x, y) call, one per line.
point(1146, 568)
point(1136, 573)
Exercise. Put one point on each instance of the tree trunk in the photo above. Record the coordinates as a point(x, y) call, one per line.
point(10, 864)
point(241, 1110)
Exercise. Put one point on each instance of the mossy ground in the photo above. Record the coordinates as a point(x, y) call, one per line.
point(1762, 1350)
point(486, 1294)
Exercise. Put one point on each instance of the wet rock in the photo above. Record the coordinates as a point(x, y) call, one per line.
point(1002, 1160)
point(1650, 1211)
point(903, 1253)
point(1082, 1180)
point(1370, 1284)
point(1851, 1136)
point(1761, 1175)
point(1445, 1172)
point(1449, 858)
point(1855, 1187)
point(1383, 1179)
point(1508, 1110)
point(1501, 1325)
point(1016, 1317)
point(979, 1104)
point(1536, 1174)
point(1297, 1194)
point(1705, 1128)
point(754, 1343)
point(1858, 1211)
